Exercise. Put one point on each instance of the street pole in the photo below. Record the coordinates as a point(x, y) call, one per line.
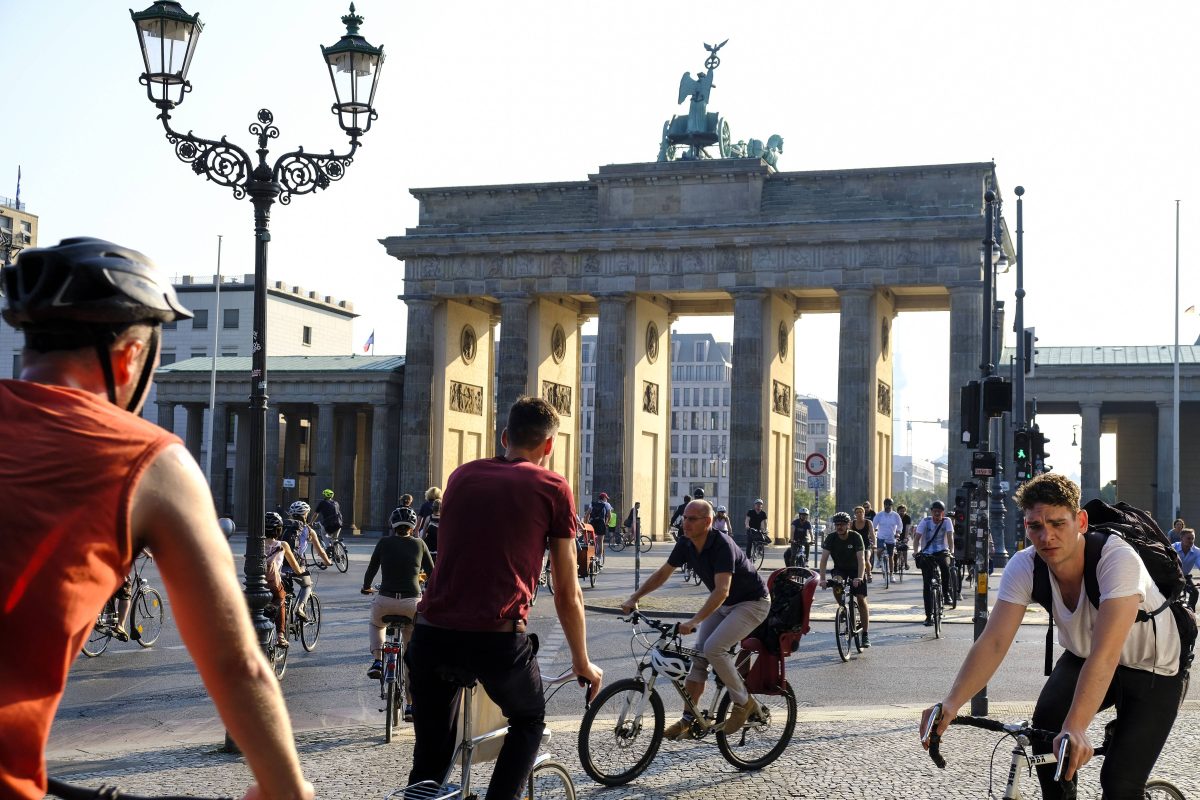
point(212, 387)
point(979, 703)
point(1018, 412)
point(637, 546)
point(1175, 404)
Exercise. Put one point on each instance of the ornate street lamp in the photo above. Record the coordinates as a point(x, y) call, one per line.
point(167, 35)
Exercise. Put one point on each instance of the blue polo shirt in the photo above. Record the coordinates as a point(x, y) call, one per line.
point(720, 554)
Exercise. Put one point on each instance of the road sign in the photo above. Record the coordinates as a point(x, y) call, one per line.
point(815, 464)
point(289, 483)
point(818, 482)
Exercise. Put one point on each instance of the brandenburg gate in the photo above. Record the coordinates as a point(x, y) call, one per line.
point(636, 245)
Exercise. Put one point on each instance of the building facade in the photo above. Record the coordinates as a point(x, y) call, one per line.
point(18, 230)
point(822, 432)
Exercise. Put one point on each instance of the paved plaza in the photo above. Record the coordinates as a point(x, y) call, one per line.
point(140, 719)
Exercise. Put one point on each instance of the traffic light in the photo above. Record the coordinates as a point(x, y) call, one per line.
point(1038, 448)
point(1030, 350)
point(968, 413)
point(1023, 453)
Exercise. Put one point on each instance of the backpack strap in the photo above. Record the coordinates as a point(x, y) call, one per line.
point(1093, 548)
point(1044, 597)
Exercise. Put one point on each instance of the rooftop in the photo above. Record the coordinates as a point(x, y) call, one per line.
point(1127, 355)
point(348, 363)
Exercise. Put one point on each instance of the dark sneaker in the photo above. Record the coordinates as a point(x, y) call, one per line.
point(375, 672)
point(928, 623)
point(865, 641)
point(408, 712)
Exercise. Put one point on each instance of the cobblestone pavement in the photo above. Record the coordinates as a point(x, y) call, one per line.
point(835, 753)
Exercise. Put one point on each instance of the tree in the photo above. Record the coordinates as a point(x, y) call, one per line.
point(806, 498)
point(918, 500)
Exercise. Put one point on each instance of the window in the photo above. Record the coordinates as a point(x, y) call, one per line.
point(591, 397)
point(695, 468)
point(166, 358)
point(231, 317)
point(704, 469)
point(170, 326)
point(725, 396)
point(16, 365)
point(230, 354)
point(675, 396)
point(674, 443)
point(674, 467)
point(707, 396)
point(306, 336)
point(200, 321)
point(199, 352)
point(695, 444)
point(699, 351)
point(695, 420)
point(714, 420)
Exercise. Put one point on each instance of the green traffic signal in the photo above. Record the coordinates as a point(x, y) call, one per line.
point(1021, 454)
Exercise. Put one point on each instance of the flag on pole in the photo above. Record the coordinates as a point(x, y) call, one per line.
point(370, 342)
point(18, 199)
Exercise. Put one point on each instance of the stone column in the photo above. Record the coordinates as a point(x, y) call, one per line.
point(272, 482)
point(220, 450)
point(418, 379)
point(856, 390)
point(166, 415)
point(747, 436)
point(322, 455)
point(1164, 473)
point(966, 348)
point(609, 441)
point(343, 485)
point(513, 369)
point(383, 494)
point(1089, 451)
point(291, 452)
point(241, 470)
point(194, 439)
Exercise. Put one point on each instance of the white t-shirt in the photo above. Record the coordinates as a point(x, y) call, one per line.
point(1120, 573)
point(886, 525)
point(933, 535)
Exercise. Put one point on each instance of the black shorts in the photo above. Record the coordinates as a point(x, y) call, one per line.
point(855, 591)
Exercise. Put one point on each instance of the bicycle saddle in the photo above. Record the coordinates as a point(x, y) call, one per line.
point(397, 619)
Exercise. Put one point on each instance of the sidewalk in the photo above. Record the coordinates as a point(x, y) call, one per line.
point(830, 745)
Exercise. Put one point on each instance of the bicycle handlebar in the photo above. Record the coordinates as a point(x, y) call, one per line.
point(665, 628)
point(1040, 735)
point(66, 791)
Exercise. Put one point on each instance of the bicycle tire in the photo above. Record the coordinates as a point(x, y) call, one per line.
point(549, 579)
point(738, 748)
point(695, 578)
point(592, 570)
point(760, 553)
point(550, 781)
point(98, 638)
point(955, 581)
point(644, 543)
point(841, 633)
point(148, 613)
point(618, 543)
point(537, 587)
point(310, 630)
point(617, 736)
point(339, 556)
point(390, 709)
point(855, 625)
point(937, 613)
point(278, 657)
point(1162, 790)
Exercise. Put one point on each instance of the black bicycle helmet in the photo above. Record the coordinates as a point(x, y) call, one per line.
point(938, 504)
point(404, 517)
point(86, 291)
point(273, 521)
point(841, 516)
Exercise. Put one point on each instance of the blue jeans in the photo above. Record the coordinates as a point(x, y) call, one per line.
point(506, 666)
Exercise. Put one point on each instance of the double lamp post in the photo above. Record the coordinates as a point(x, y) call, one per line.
point(168, 35)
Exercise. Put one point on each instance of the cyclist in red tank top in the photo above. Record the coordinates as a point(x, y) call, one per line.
point(91, 312)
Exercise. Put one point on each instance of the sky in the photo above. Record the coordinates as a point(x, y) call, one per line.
point(1088, 105)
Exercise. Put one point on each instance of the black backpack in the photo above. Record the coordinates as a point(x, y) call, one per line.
point(291, 535)
point(1141, 532)
point(597, 515)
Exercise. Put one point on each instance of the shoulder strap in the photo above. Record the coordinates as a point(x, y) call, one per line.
point(1093, 548)
point(1044, 597)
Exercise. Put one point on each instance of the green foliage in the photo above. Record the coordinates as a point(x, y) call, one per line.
point(1109, 493)
point(805, 497)
point(918, 500)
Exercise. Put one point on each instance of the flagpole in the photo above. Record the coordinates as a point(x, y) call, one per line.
point(1175, 408)
point(212, 390)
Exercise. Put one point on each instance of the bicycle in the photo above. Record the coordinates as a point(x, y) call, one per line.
point(392, 687)
point(847, 628)
point(306, 630)
point(544, 579)
point(937, 602)
point(756, 543)
point(548, 779)
point(334, 548)
point(625, 741)
point(624, 538)
point(146, 613)
point(1022, 763)
point(901, 562)
point(884, 559)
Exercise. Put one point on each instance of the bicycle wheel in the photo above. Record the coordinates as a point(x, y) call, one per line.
point(339, 556)
point(855, 626)
point(148, 612)
point(537, 587)
point(765, 735)
point(311, 629)
point(760, 552)
point(592, 570)
point(644, 543)
point(950, 599)
point(885, 570)
point(615, 746)
point(550, 780)
point(841, 633)
point(937, 613)
point(98, 639)
point(278, 657)
point(549, 579)
point(618, 543)
point(695, 578)
point(391, 708)
point(1162, 790)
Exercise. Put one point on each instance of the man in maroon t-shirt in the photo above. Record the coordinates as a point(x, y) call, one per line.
point(472, 616)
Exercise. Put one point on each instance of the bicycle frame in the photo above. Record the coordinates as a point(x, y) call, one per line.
point(669, 643)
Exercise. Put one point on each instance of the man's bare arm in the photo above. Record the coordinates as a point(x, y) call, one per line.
point(568, 604)
point(656, 579)
point(172, 513)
